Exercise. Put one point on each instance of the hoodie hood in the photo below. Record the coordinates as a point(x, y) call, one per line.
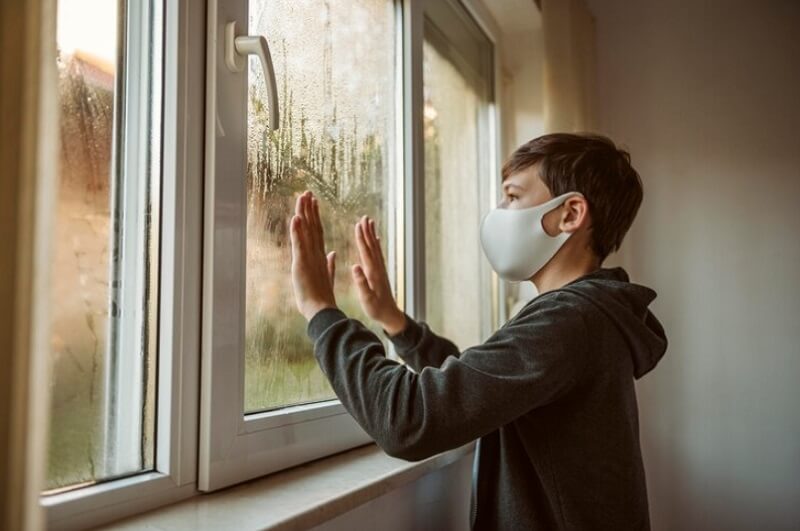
point(626, 304)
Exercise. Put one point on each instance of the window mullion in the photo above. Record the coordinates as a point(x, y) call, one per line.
point(414, 154)
point(127, 374)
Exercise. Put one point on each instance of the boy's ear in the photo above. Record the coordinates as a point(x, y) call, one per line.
point(574, 214)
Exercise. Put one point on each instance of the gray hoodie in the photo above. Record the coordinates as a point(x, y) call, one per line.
point(550, 396)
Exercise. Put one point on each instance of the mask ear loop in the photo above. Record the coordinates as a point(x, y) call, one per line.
point(551, 205)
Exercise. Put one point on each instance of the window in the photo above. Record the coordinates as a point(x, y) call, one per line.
point(184, 144)
point(336, 66)
point(457, 78)
point(105, 268)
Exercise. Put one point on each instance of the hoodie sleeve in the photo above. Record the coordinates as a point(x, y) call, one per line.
point(420, 347)
point(531, 361)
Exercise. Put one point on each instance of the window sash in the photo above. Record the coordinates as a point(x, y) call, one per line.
point(135, 217)
point(416, 16)
point(453, 32)
point(233, 446)
point(178, 297)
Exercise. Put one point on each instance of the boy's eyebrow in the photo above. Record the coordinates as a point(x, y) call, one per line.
point(506, 186)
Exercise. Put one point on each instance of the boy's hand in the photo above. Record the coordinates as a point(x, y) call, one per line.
point(312, 270)
point(372, 281)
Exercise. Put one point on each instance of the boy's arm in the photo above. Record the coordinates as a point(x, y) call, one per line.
point(420, 347)
point(531, 361)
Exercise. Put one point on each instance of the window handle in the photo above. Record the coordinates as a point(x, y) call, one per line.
point(236, 51)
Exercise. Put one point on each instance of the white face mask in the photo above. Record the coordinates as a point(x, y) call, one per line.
point(515, 242)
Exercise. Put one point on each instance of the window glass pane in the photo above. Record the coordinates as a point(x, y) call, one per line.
point(104, 274)
point(457, 175)
point(335, 67)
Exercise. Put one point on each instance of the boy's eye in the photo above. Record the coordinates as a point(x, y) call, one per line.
point(511, 197)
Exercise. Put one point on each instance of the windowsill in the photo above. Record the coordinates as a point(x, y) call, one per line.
point(299, 497)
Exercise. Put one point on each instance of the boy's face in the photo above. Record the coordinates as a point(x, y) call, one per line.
point(525, 189)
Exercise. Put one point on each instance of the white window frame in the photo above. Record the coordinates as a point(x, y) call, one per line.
point(175, 468)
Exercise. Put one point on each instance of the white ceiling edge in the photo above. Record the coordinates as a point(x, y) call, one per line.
point(515, 17)
point(519, 24)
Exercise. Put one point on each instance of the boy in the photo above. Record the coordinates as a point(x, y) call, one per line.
point(549, 395)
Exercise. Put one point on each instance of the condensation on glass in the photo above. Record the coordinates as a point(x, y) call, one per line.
point(457, 89)
point(88, 439)
point(335, 67)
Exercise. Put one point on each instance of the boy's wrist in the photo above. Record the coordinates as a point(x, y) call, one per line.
point(395, 324)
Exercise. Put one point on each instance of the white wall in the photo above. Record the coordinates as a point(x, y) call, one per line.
point(706, 94)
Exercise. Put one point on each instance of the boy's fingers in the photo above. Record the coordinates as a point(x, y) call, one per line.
point(295, 233)
point(360, 279)
point(377, 243)
point(309, 208)
point(332, 265)
point(370, 252)
point(303, 210)
point(374, 244)
point(363, 250)
point(364, 222)
point(298, 205)
point(307, 205)
point(310, 222)
point(376, 247)
point(314, 222)
point(318, 221)
point(317, 218)
point(372, 230)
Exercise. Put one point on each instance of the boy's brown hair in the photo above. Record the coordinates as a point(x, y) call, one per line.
point(593, 165)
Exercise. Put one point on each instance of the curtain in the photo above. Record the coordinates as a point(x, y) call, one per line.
point(569, 66)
